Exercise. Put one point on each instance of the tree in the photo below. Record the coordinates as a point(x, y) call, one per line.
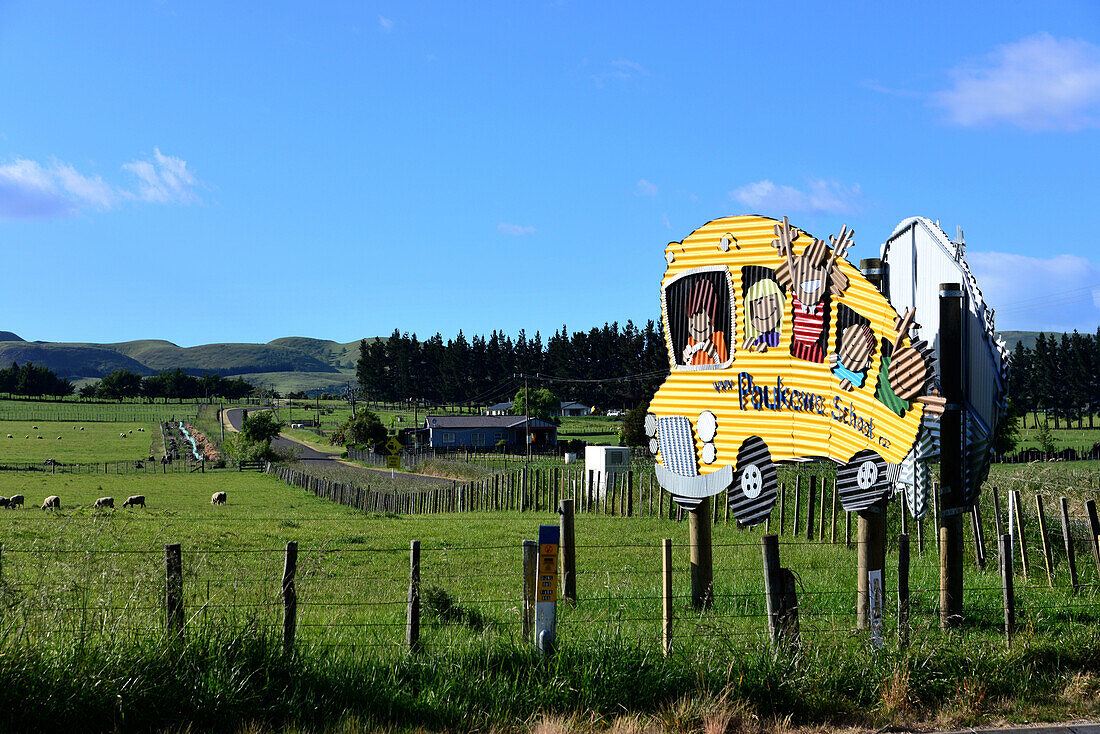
point(1007, 433)
point(633, 430)
point(121, 383)
point(543, 404)
point(365, 428)
point(260, 427)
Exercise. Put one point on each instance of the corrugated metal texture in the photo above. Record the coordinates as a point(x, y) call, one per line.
point(919, 247)
point(789, 433)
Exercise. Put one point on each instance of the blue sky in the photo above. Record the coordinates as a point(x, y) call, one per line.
point(203, 173)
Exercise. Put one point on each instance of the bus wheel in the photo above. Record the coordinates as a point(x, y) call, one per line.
point(752, 494)
point(862, 481)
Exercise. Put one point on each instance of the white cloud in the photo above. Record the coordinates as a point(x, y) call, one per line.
point(1038, 83)
point(620, 70)
point(385, 23)
point(645, 188)
point(820, 195)
point(163, 179)
point(1056, 293)
point(36, 191)
point(516, 230)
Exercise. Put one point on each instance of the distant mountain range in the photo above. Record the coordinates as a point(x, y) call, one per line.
point(290, 363)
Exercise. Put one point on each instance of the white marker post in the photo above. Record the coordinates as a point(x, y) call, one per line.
point(546, 598)
point(875, 598)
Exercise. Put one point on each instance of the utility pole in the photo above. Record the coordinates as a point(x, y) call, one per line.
point(952, 489)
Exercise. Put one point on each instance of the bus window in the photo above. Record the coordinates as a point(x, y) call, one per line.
point(700, 319)
point(765, 302)
point(855, 346)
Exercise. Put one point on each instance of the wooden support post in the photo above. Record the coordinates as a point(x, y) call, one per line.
point(1094, 530)
point(870, 557)
point(773, 584)
point(666, 596)
point(1041, 516)
point(903, 589)
point(936, 513)
point(530, 579)
point(780, 595)
point(173, 590)
point(568, 552)
point(702, 561)
point(290, 596)
point(952, 485)
point(1069, 544)
point(412, 615)
point(1004, 547)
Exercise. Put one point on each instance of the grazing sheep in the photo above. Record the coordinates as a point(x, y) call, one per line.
point(52, 502)
point(9, 435)
point(39, 437)
point(4, 501)
point(134, 501)
point(16, 499)
point(105, 502)
point(218, 498)
point(59, 438)
point(82, 428)
point(34, 428)
point(131, 430)
point(122, 435)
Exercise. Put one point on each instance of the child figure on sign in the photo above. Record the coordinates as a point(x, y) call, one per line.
point(705, 343)
point(764, 303)
point(850, 364)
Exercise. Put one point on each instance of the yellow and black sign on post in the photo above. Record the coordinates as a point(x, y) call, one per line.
point(393, 446)
point(546, 591)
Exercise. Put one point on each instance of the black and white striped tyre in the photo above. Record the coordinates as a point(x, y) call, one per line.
point(752, 494)
point(862, 481)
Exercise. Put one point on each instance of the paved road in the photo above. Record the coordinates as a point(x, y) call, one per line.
point(306, 453)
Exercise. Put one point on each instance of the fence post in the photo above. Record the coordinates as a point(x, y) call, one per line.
point(780, 594)
point(568, 552)
point(811, 500)
point(666, 596)
point(976, 532)
point(173, 589)
point(1069, 543)
point(832, 532)
point(412, 617)
point(903, 589)
point(1094, 526)
point(1043, 536)
point(782, 506)
point(821, 513)
point(1004, 547)
point(530, 566)
point(1019, 513)
point(797, 502)
point(290, 596)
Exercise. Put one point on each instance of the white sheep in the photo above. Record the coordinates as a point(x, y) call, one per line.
point(218, 498)
point(59, 438)
point(82, 428)
point(10, 436)
point(53, 502)
point(39, 437)
point(105, 502)
point(34, 428)
point(15, 499)
point(134, 501)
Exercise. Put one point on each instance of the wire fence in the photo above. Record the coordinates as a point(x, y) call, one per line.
point(350, 593)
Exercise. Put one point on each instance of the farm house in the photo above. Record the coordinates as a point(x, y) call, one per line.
point(488, 431)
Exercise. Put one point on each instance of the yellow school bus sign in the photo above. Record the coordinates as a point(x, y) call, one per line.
point(780, 350)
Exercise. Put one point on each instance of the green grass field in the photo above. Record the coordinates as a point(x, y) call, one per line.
point(73, 411)
point(97, 442)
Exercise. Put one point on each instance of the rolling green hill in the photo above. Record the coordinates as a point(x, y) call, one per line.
point(288, 364)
